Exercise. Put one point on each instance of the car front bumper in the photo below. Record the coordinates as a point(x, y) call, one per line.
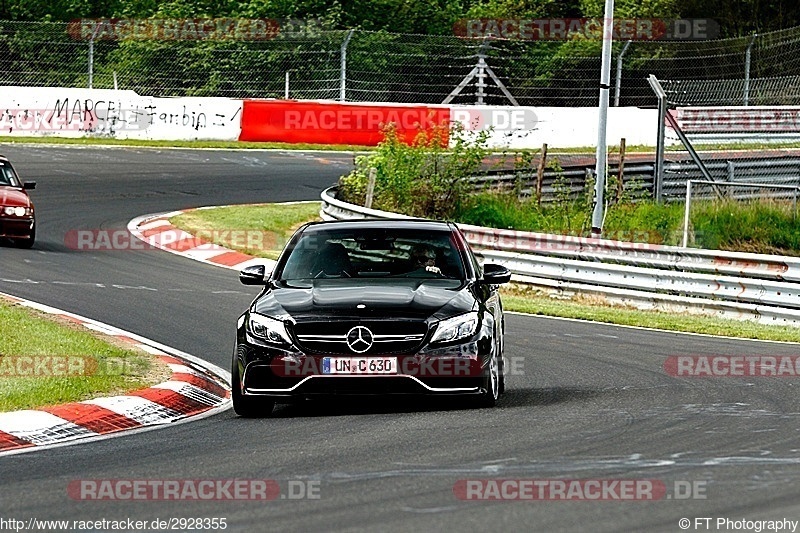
point(285, 376)
point(16, 227)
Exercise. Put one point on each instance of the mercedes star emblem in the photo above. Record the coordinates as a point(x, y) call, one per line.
point(359, 339)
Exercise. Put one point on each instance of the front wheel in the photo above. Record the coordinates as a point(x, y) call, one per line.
point(491, 392)
point(247, 406)
point(28, 241)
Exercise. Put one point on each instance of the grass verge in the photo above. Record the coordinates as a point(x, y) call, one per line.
point(258, 230)
point(284, 218)
point(46, 361)
point(527, 300)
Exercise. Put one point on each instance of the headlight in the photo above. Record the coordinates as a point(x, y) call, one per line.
point(17, 211)
point(267, 329)
point(457, 327)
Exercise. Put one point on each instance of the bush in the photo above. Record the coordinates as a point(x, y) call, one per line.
point(425, 179)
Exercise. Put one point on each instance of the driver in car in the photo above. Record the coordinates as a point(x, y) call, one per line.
point(424, 259)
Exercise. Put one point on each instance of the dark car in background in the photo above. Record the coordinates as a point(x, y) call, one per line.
point(17, 217)
point(371, 307)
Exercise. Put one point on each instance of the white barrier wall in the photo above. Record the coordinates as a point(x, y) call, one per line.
point(123, 114)
point(562, 127)
point(75, 112)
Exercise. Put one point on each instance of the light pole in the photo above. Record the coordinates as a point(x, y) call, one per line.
point(602, 122)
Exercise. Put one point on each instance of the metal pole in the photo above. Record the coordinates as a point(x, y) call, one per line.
point(621, 170)
point(91, 60)
point(286, 87)
point(686, 213)
point(618, 84)
point(598, 213)
point(343, 67)
point(481, 75)
point(658, 169)
point(747, 70)
point(91, 53)
point(692, 152)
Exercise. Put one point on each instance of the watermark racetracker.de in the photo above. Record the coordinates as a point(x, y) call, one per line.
point(64, 366)
point(560, 29)
point(104, 240)
point(732, 366)
point(601, 489)
point(193, 489)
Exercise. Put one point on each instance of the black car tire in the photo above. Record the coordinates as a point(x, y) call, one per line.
point(28, 241)
point(491, 387)
point(247, 406)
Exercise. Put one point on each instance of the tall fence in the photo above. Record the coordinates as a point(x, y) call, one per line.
point(385, 67)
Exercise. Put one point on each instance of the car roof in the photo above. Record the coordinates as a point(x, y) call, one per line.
point(375, 223)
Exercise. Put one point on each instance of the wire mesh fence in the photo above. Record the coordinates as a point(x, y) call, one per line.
point(386, 67)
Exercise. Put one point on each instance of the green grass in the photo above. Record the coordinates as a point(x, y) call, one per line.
point(589, 308)
point(283, 218)
point(759, 226)
point(257, 230)
point(107, 369)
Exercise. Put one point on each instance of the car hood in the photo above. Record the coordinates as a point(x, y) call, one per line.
point(10, 196)
point(302, 300)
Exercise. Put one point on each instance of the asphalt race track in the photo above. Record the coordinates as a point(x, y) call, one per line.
point(587, 401)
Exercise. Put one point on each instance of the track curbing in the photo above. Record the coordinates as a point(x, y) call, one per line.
point(196, 388)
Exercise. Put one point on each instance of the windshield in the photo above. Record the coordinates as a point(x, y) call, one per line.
point(373, 253)
point(7, 176)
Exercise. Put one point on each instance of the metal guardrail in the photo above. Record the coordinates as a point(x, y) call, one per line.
point(571, 179)
point(738, 285)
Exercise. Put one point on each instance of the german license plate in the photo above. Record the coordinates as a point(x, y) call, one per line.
point(359, 365)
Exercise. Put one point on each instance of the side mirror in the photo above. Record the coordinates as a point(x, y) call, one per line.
point(254, 275)
point(29, 185)
point(495, 274)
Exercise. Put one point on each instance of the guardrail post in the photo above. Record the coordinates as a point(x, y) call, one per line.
point(373, 172)
point(731, 175)
point(540, 174)
point(686, 213)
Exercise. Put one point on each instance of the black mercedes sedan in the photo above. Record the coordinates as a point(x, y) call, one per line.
point(371, 307)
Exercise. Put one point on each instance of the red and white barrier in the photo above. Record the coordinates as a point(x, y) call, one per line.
point(314, 122)
point(123, 114)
